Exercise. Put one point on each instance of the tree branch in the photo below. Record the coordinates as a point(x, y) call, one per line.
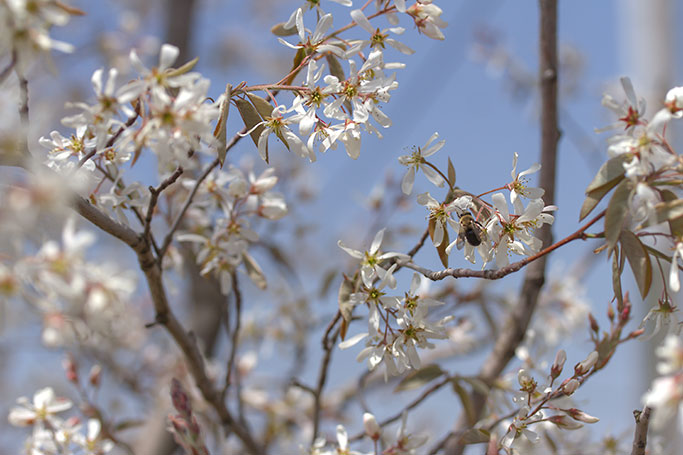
point(640, 434)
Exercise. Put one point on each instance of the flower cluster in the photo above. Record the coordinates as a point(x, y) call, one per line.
point(395, 346)
point(80, 301)
point(224, 240)
point(25, 29)
point(51, 434)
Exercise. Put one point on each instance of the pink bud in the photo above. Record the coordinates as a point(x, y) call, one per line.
point(563, 421)
point(581, 416)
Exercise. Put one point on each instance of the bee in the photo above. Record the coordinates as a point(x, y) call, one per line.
point(470, 231)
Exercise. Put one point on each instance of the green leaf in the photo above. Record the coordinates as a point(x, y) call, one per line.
point(617, 210)
point(467, 404)
point(221, 127)
point(638, 259)
point(475, 436)
point(611, 170)
point(280, 30)
point(264, 108)
point(451, 173)
point(477, 384)
point(254, 271)
point(251, 118)
point(420, 377)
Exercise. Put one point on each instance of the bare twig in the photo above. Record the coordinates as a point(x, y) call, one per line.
point(640, 434)
point(154, 198)
point(6, 71)
point(328, 343)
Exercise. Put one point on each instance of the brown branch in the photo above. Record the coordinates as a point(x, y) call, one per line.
point(640, 434)
point(517, 321)
point(164, 316)
point(328, 343)
point(235, 333)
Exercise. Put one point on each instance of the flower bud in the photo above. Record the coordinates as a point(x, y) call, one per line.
point(584, 367)
point(558, 364)
point(571, 386)
point(565, 422)
point(371, 426)
point(581, 416)
point(594, 324)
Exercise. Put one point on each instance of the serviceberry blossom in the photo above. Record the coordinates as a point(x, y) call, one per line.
point(440, 213)
point(427, 17)
point(315, 43)
point(674, 101)
point(25, 27)
point(416, 161)
point(629, 112)
point(371, 261)
point(278, 124)
point(515, 232)
point(42, 410)
point(518, 186)
point(93, 442)
point(378, 38)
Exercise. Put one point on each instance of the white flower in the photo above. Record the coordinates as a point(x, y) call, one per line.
point(665, 398)
point(93, 443)
point(315, 42)
point(277, 124)
point(515, 232)
point(518, 185)
point(629, 112)
point(371, 260)
point(441, 213)
point(416, 161)
point(670, 353)
point(674, 101)
point(377, 38)
point(43, 408)
point(427, 17)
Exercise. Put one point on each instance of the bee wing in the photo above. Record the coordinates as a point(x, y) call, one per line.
point(460, 242)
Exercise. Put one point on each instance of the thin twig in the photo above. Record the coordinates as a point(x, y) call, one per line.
point(154, 198)
point(89, 154)
point(328, 343)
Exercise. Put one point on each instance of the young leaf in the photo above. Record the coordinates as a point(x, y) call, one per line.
point(616, 277)
point(250, 117)
point(280, 30)
point(611, 170)
point(594, 197)
point(617, 210)
point(638, 259)
point(264, 108)
point(254, 271)
point(451, 173)
point(475, 436)
point(186, 68)
point(221, 127)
